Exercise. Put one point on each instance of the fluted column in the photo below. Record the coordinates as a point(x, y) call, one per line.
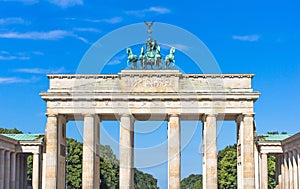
point(256, 159)
point(18, 166)
point(12, 170)
point(247, 151)
point(21, 173)
point(25, 184)
point(286, 171)
point(282, 176)
point(36, 167)
point(298, 160)
point(56, 151)
point(91, 156)
point(264, 171)
point(51, 172)
point(2, 167)
point(209, 148)
point(126, 152)
point(290, 166)
point(7, 170)
point(174, 152)
point(295, 169)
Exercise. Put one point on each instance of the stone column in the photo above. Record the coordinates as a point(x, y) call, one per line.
point(25, 172)
point(295, 169)
point(52, 175)
point(21, 173)
point(43, 171)
point(126, 152)
point(7, 170)
point(282, 176)
point(277, 167)
point(174, 152)
point(257, 168)
point(298, 160)
point(286, 171)
point(13, 170)
point(247, 151)
point(290, 166)
point(56, 153)
point(264, 171)
point(2, 168)
point(239, 155)
point(18, 166)
point(36, 164)
point(91, 158)
point(209, 148)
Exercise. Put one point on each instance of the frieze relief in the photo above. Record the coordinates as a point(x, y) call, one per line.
point(149, 82)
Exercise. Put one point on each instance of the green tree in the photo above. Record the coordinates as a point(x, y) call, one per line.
point(74, 164)
point(10, 131)
point(227, 167)
point(271, 172)
point(144, 180)
point(192, 182)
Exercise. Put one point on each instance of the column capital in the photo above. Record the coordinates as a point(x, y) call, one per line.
point(173, 115)
point(204, 116)
point(240, 117)
point(126, 115)
point(88, 115)
point(51, 115)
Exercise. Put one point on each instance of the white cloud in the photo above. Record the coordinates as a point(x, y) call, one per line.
point(250, 38)
point(113, 20)
point(143, 12)
point(159, 10)
point(50, 35)
point(41, 71)
point(117, 60)
point(87, 30)
point(13, 20)
point(11, 80)
point(66, 3)
point(22, 1)
point(5, 55)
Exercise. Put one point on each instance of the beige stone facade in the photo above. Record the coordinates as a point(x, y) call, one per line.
point(139, 94)
point(286, 152)
point(13, 162)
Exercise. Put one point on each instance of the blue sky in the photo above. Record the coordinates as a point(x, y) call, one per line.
point(51, 36)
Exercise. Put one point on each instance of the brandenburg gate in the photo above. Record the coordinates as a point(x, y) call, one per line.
point(139, 94)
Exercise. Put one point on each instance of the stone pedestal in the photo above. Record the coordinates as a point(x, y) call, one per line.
point(126, 152)
point(91, 156)
point(209, 148)
point(174, 152)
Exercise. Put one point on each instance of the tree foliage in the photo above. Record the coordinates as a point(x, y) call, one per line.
point(271, 172)
point(192, 182)
point(227, 167)
point(10, 131)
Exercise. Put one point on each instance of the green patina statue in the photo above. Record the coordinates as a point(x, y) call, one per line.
point(132, 58)
point(170, 58)
point(150, 57)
